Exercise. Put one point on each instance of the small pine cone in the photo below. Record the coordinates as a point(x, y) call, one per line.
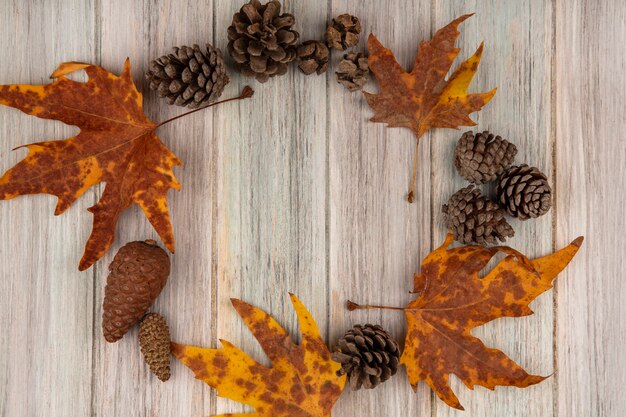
point(343, 32)
point(353, 71)
point(524, 192)
point(481, 158)
point(368, 355)
point(190, 76)
point(313, 57)
point(472, 217)
point(137, 275)
point(154, 341)
point(261, 40)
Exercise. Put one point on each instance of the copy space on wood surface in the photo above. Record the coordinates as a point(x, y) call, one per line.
point(294, 190)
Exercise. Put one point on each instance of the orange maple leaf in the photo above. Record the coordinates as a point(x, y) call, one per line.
point(301, 383)
point(423, 99)
point(116, 145)
point(453, 300)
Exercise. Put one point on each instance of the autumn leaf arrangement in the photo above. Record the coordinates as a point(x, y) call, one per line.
point(117, 144)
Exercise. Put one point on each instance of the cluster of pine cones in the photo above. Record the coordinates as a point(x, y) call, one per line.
point(262, 41)
point(137, 275)
point(521, 191)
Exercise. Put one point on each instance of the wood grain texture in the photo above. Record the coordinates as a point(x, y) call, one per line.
point(591, 185)
point(376, 239)
point(271, 194)
point(46, 314)
point(294, 190)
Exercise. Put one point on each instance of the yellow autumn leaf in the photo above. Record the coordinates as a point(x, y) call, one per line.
point(302, 382)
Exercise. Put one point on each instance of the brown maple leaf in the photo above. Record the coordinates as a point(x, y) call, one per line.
point(302, 382)
point(116, 145)
point(453, 300)
point(423, 99)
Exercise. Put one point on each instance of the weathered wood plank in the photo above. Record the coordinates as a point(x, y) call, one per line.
point(271, 195)
point(516, 59)
point(123, 384)
point(295, 190)
point(46, 304)
point(591, 164)
point(376, 239)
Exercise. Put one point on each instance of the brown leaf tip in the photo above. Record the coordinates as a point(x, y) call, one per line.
point(578, 241)
point(465, 17)
point(242, 308)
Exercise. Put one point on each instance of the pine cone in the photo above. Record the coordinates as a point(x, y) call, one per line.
point(353, 71)
point(368, 354)
point(313, 57)
point(261, 40)
point(524, 192)
point(190, 76)
point(472, 217)
point(343, 32)
point(154, 341)
point(137, 275)
point(481, 158)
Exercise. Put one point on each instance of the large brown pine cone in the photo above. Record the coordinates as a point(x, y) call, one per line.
point(137, 275)
point(154, 341)
point(190, 77)
point(524, 192)
point(472, 217)
point(368, 355)
point(481, 158)
point(261, 40)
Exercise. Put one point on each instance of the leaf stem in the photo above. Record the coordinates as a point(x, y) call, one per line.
point(245, 93)
point(354, 306)
point(411, 196)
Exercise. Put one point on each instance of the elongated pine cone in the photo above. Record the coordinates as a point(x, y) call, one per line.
point(524, 192)
point(190, 77)
point(368, 355)
point(343, 32)
point(313, 57)
point(472, 217)
point(261, 40)
point(353, 71)
point(154, 341)
point(137, 275)
point(481, 158)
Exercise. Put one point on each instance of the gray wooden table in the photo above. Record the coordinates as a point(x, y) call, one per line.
point(296, 191)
